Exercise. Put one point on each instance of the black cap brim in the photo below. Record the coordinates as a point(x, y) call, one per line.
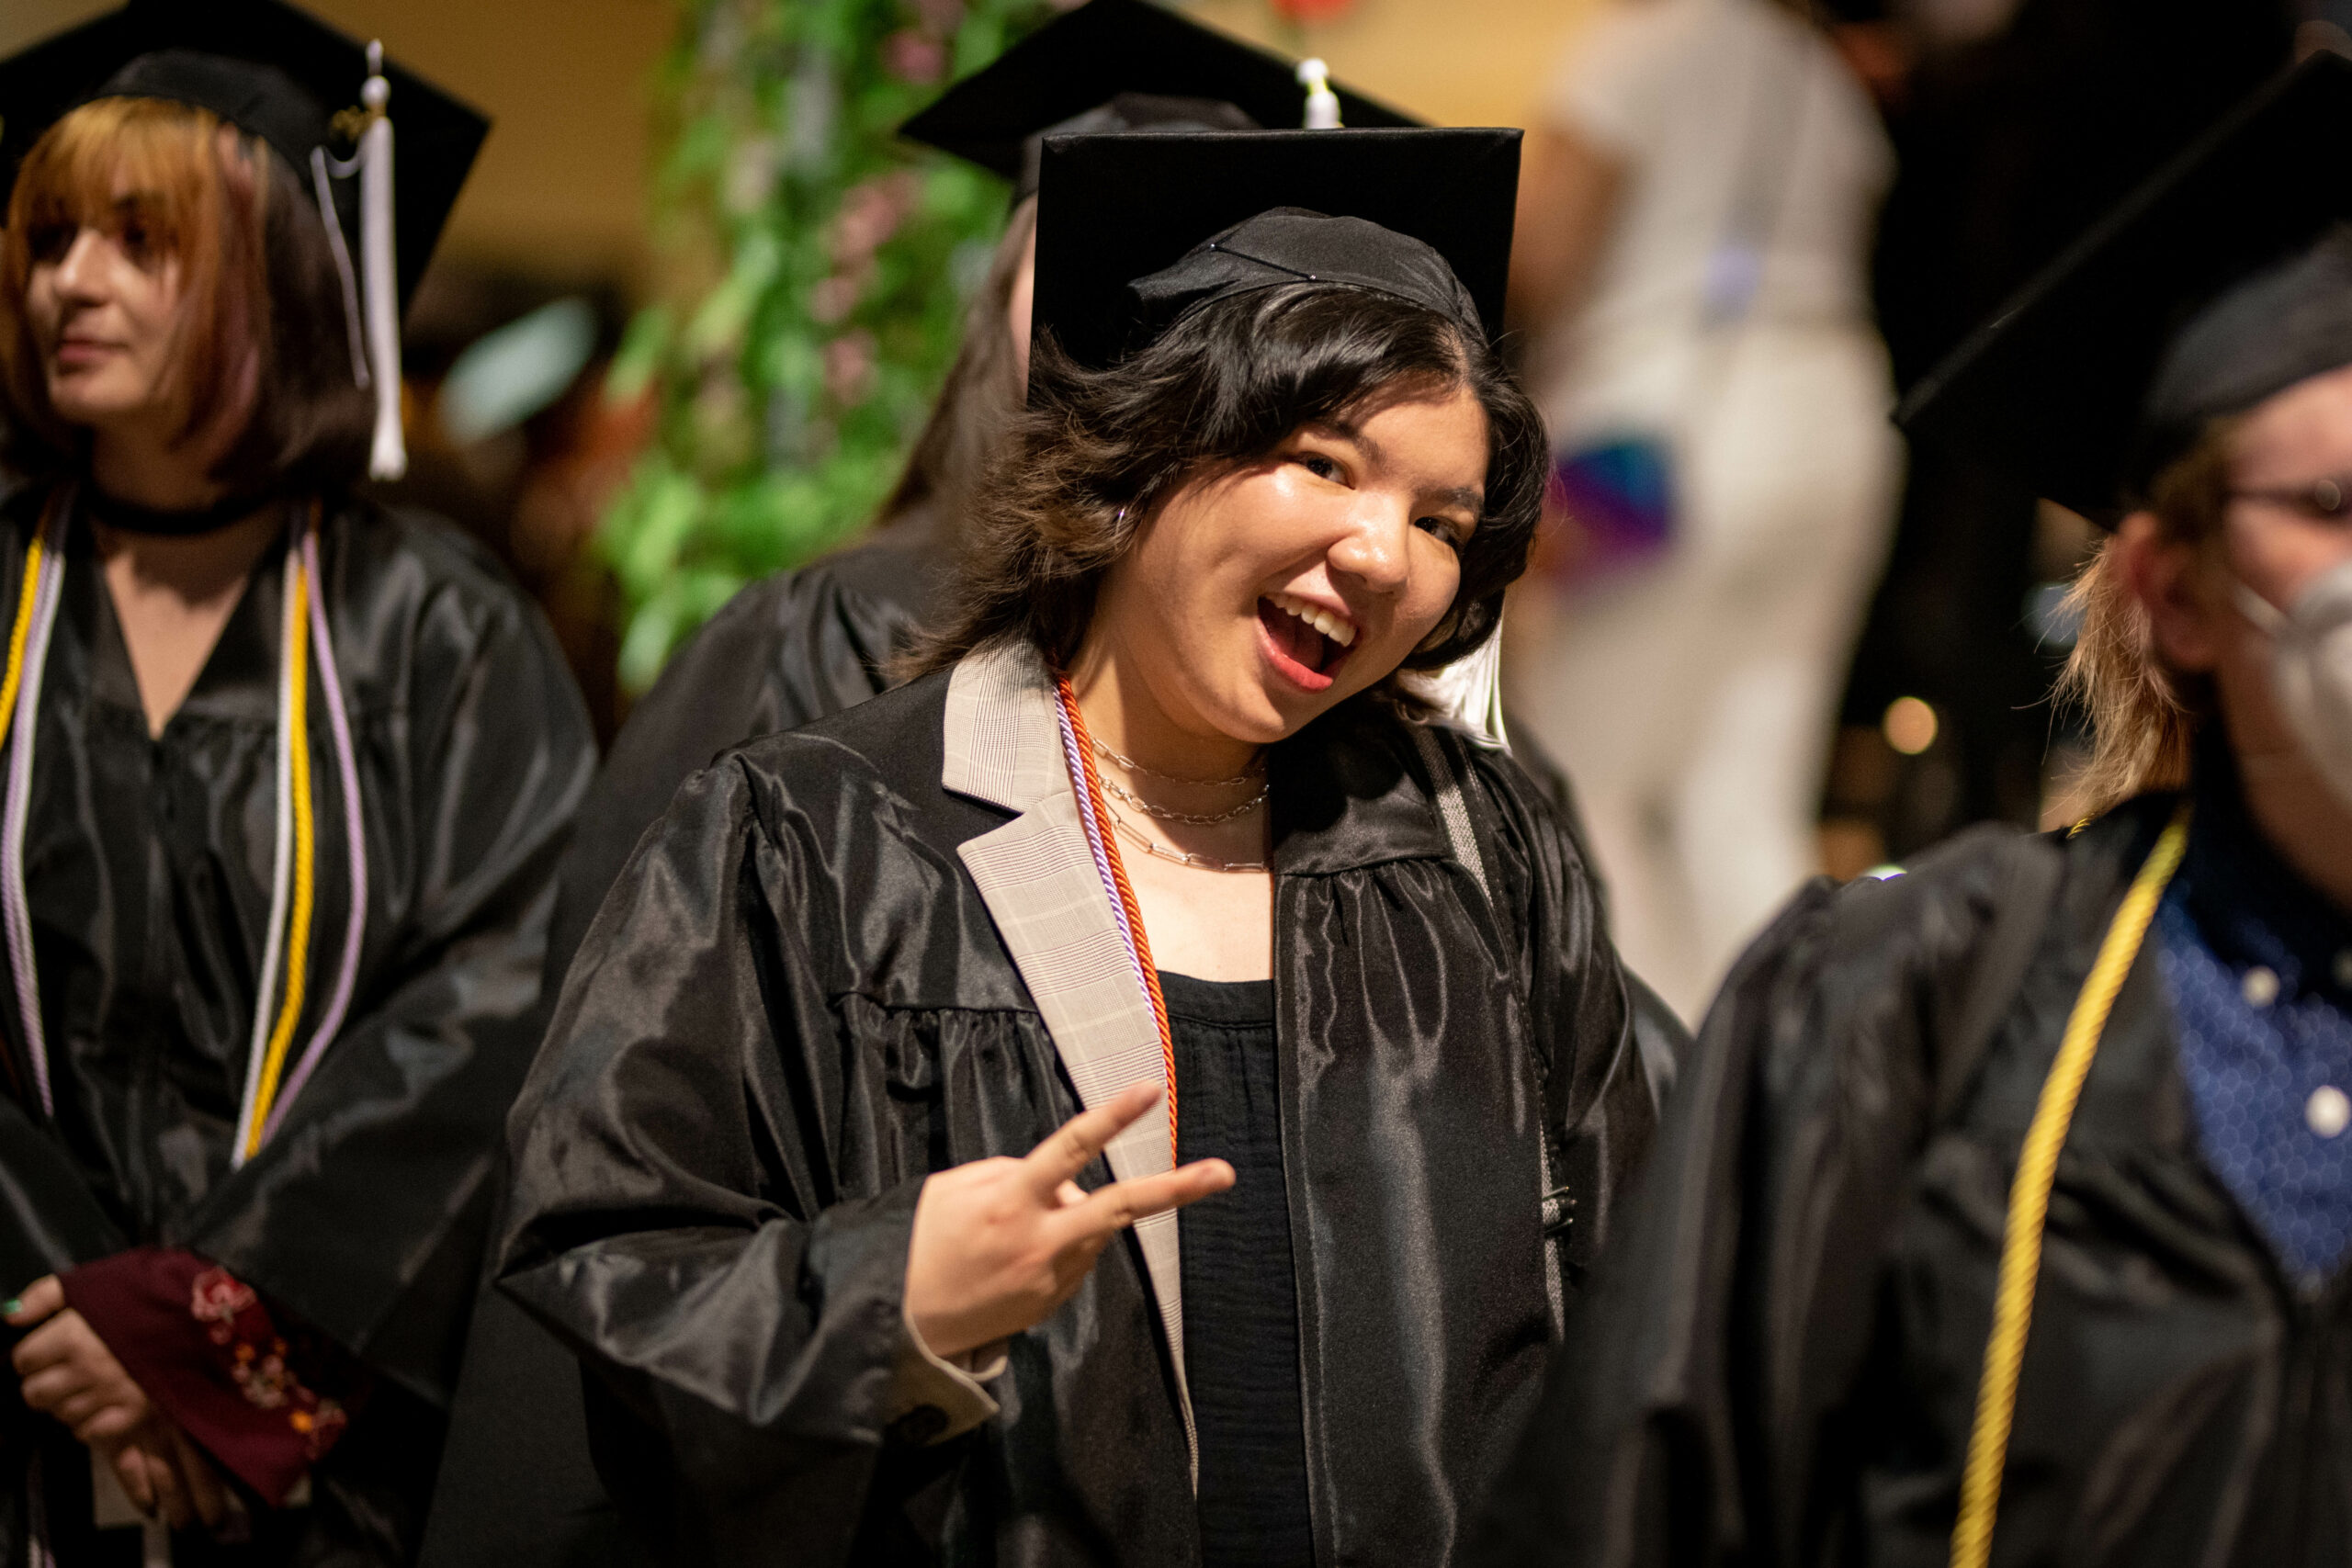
point(1101, 50)
point(436, 136)
point(2052, 392)
point(1116, 209)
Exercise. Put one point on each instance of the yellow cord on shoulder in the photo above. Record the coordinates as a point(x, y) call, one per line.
point(298, 932)
point(1996, 1394)
point(22, 628)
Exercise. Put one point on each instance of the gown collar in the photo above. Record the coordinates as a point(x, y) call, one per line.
point(1344, 795)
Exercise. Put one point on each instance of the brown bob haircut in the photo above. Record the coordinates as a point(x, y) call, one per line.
point(262, 358)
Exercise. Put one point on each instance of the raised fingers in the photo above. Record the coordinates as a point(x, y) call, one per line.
point(1121, 1203)
point(1074, 1146)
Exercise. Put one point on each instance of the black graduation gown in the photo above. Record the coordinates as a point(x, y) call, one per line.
point(518, 1484)
point(796, 1004)
point(1780, 1365)
point(148, 873)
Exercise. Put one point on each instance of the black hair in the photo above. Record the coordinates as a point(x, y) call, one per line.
point(1097, 453)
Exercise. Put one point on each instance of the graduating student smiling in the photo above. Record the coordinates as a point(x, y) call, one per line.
point(788, 1176)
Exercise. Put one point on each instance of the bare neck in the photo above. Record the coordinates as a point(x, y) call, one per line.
point(2303, 820)
point(144, 464)
point(1124, 713)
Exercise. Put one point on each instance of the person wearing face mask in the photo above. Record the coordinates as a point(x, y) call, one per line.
point(283, 782)
point(853, 1164)
point(2007, 1212)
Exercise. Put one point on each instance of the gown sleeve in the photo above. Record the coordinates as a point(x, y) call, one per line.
point(675, 1216)
point(1694, 1416)
point(401, 1123)
point(784, 651)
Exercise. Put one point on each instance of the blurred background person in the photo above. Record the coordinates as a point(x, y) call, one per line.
point(1694, 229)
point(2015, 124)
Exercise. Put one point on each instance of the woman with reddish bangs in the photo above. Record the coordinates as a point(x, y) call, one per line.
point(283, 776)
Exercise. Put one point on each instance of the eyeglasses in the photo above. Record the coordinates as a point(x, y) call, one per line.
point(2321, 498)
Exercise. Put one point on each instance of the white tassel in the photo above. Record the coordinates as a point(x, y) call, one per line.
point(1322, 104)
point(389, 459)
point(1468, 692)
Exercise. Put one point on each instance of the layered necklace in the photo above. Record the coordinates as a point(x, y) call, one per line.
point(286, 953)
point(1104, 828)
point(1197, 818)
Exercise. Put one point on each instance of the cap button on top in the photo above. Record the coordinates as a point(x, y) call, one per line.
point(2328, 1112)
point(2260, 988)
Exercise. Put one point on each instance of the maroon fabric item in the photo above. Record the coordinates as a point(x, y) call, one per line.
point(266, 1401)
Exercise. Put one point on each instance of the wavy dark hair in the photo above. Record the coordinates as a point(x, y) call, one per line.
point(1097, 453)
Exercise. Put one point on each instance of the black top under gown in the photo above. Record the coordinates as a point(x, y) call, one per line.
point(148, 870)
point(1241, 1305)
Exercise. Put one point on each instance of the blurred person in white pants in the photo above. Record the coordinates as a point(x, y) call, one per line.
point(1694, 237)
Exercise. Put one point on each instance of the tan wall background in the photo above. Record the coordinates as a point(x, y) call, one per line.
point(559, 187)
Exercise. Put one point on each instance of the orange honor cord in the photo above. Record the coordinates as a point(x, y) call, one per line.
point(1105, 845)
point(2020, 1270)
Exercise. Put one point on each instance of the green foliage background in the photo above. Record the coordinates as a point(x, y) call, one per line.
point(815, 271)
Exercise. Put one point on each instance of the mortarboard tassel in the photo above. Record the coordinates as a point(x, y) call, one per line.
point(1467, 694)
point(1322, 104)
point(388, 458)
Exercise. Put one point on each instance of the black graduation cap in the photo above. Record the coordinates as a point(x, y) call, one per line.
point(270, 69)
point(1116, 210)
point(2220, 281)
point(1105, 49)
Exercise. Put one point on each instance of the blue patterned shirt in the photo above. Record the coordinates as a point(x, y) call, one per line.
point(2258, 969)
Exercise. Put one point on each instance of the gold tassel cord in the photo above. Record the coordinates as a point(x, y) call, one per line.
point(298, 936)
point(2053, 1114)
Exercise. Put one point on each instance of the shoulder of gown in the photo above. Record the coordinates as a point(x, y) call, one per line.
point(1733, 1311)
point(789, 649)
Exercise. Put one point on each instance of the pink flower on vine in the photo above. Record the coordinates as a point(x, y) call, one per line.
point(849, 367)
point(914, 56)
point(871, 212)
point(940, 18)
point(833, 299)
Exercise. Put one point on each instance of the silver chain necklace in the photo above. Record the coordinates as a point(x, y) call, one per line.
point(1202, 862)
point(1197, 818)
point(1135, 767)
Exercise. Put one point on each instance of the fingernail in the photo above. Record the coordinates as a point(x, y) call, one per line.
point(11, 1307)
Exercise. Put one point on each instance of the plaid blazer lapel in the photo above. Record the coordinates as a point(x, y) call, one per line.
point(1038, 880)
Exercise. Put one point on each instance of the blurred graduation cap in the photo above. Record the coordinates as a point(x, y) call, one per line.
point(1135, 230)
point(2225, 278)
point(1119, 65)
point(308, 91)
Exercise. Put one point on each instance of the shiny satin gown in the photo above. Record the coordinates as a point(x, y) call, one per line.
point(797, 1003)
point(148, 866)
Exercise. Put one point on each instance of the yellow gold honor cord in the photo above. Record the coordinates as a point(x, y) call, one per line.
point(22, 628)
point(1996, 1394)
point(298, 945)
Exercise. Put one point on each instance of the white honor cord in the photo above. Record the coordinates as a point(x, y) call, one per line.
point(321, 183)
point(355, 828)
point(281, 878)
point(388, 458)
point(17, 909)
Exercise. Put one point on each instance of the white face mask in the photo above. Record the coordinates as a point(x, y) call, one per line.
point(2311, 670)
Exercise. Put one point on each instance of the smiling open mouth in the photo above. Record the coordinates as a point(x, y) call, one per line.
point(1309, 642)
